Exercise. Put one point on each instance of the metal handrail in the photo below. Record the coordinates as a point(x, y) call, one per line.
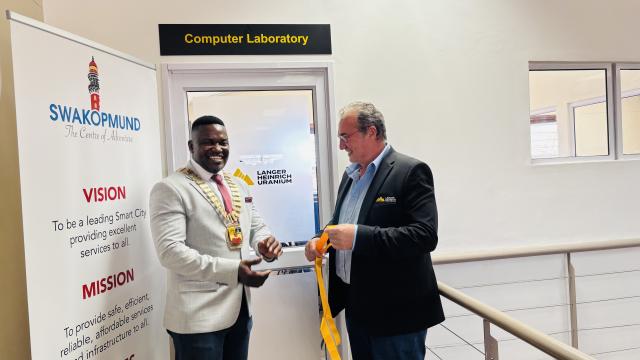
point(526, 333)
point(524, 251)
point(542, 341)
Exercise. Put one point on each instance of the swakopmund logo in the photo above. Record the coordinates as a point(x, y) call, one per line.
point(85, 123)
point(94, 85)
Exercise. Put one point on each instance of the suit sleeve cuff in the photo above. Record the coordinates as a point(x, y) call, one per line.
point(228, 271)
point(355, 237)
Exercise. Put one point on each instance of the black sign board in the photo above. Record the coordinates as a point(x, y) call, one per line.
point(237, 39)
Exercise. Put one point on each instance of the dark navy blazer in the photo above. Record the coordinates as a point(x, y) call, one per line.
point(393, 287)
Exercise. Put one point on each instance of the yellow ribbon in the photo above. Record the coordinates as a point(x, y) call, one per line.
point(328, 328)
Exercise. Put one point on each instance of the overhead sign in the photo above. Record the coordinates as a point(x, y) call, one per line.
point(249, 39)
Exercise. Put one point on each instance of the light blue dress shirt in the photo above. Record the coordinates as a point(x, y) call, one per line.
point(350, 209)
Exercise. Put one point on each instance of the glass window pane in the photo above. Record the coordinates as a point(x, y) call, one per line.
point(272, 149)
point(630, 86)
point(571, 93)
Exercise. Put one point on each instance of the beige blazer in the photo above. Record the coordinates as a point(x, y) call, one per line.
point(203, 293)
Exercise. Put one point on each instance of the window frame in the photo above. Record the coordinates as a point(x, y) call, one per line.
point(612, 120)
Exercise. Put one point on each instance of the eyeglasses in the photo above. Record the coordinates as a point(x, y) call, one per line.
point(345, 137)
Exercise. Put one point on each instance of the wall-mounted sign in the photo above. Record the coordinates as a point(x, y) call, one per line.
point(249, 39)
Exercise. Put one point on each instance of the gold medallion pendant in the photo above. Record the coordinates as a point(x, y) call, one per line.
point(234, 236)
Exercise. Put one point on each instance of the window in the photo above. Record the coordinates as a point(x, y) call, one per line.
point(584, 111)
point(571, 112)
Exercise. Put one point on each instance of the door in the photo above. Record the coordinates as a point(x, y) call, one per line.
point(281, 145)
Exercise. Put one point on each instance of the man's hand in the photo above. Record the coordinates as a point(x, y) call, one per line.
point(270, 248)
point(310, 251)
point(249, 277)
point(341, 236)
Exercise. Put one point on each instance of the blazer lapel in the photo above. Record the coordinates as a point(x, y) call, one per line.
point(199, 190)
point(381, 175)
point(192, 183)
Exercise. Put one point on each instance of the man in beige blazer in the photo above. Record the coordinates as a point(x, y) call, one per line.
point(203, 224)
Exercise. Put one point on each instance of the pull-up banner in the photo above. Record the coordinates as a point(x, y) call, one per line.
point(88, 141)
point(251, 39)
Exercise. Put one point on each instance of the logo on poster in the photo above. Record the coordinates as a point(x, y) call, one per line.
point(92, 117)
point(241, 175)
point(274, 176)
point(94, 85)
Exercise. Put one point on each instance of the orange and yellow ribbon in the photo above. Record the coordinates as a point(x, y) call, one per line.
point(328, 328)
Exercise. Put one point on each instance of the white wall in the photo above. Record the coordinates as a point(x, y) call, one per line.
point(452, 81)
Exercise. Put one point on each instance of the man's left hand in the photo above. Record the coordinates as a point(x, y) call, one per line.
point(270, 248)
point(341, 236)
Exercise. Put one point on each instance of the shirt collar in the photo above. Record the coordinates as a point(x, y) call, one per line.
point(352, 169)
point(199, 170)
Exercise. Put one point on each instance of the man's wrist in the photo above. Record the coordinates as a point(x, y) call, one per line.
point(262, 246)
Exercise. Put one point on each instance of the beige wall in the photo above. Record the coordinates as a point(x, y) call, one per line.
point(631, 125)
point(591, 130)
point(14, 332)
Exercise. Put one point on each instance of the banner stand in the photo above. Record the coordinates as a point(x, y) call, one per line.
point(89, 152)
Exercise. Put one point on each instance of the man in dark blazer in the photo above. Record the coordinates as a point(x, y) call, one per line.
point(385, 226)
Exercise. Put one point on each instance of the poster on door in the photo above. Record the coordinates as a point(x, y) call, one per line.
point(89, 151)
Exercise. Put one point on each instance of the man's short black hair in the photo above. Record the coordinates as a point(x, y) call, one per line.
point(206, 120)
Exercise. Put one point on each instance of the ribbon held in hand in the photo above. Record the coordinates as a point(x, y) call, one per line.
point(328, 328)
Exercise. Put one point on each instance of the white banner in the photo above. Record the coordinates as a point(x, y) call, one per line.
point(88, 136)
